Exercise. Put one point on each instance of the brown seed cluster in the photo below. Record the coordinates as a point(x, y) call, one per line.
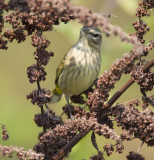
point(134, 102)
point(42, 56)
point(3, 43)
point(39, 41)
point(108, 149)
point(17, 34)
point(21, 154)
point(40, 97)
point(49, 120)
point(55, 139)
point(5, 134)
point(145, 80)
point(78, 99)
point(135, 156)
point(119, 147)
point(97, 157)
point(146, 102)
point(42, 15)
point(27, 17)
point(78, 112)
point(36, 74)
point(3, 6)
point(139, 123)
point(142, 10)
point(140, 26)
point(12, 19)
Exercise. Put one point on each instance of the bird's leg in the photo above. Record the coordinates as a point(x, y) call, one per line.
point(69, 108)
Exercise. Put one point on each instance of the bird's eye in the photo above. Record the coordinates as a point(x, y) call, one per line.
point(95, 35)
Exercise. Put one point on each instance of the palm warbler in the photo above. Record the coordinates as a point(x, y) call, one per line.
point(80, 66)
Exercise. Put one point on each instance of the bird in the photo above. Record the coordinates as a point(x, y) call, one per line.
point(80, 66)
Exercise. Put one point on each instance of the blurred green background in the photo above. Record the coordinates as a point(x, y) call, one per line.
point(17, 113)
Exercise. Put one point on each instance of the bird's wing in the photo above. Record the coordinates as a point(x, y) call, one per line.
point(60, 69)
point(57, 92)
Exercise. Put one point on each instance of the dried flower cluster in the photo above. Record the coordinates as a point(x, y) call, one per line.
point(49, 120)
point(109, 149)
point(5, 134)
point(145, 80)
point(146, 102)
point(97, 157)
point(56, 139)
point(36, 74)
point(32, 18)
point(140, 26)
point(134, 122)
point(40, 97)
point(135, 156)
point(21, 154)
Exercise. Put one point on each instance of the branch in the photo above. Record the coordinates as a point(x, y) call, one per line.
point(127, 85)
point(69, 146)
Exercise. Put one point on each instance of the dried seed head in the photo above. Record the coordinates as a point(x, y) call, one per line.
point(109, 149)
point(36, 73)
point(135, 156)
point(40, 97)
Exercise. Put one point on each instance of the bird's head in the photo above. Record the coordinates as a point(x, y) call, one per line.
point(92, 35)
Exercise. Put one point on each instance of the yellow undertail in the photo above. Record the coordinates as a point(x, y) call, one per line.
point(56, 95)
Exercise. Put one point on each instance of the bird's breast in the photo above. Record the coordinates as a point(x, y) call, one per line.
point(81, 70)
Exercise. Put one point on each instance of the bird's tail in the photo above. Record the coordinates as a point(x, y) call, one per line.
point(56, 95)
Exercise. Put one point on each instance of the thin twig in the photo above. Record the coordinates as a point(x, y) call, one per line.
point(133, 138)
point(42, 112)
point(140, 147)
point(39, 89)
point(147, 98)
point(61, 114)
point(38, 86)
point(47, 107)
